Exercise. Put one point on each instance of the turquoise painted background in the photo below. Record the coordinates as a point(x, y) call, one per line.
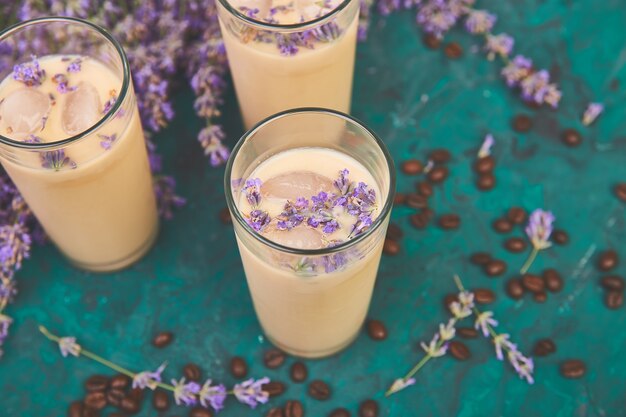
point(192, 281)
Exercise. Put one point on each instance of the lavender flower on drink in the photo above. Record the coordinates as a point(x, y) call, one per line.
point(56, 160)
point(258, 220)
point(106, 141)
point(293, 214)
point(29, 73)
point(75, 65)
point(592, 112)
point(539, 229)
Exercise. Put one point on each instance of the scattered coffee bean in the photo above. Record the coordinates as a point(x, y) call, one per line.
point(339, 412)
point(419, 220)
point(552, 279)
point(533, 283)
point(225, 216)
point(467, 332)
point(399, 199)
point(424, 188)
point(120, 381)
point(484, 165)
point(376, 330)
point(96, 399)
point(521, 123)
point(514, 288)
point(540, 297)
point(612, 283)
point(486, 181)
point(571, 137)
point(620, 191)
point(440, 156)
point(544, 347)
point(495, 267)
point(200, 412)
point(459, 350)
point(299, 372)
point(114, 396)
point(130, 405)
point(160, 400)
point(480, 258)
point(137, 394)
point(274, 388)
point(319, 390)
point(368, 408)
point(614, 299)
point(412, 167)
point(573, 368)
point(192, 372)
point(391, 247)
point(515, 244)
point(449, 221)
point(275, 412)
point(238, 367)
point(394, 232)
point(416, 201)
point(516, 215)
point(294, 408)
point(453, 50)
point(96, 383)
point(273, 358)
point(484, 296)
point(75, 409)
point(438, 174)
point(560, 237)
point(162, 339)
point(431, 41)
point(502, 225)
point(608, 260)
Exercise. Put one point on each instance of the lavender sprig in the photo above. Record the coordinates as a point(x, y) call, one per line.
point(29, 73)
point(539, 229)
point(591, 113)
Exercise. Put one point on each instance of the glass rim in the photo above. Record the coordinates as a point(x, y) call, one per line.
point(6, 33)
point(387, 205)
point(277, 27)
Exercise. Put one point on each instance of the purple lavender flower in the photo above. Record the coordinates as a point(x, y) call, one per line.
point(252, 189)
point(61, 81)
point(485, 148)
point(68, 346)
point(185, 393)
point(539, 228)
point(334, 262)
point(74, 66)
point(435, 349)
point(523, 366)
point(108, 105)
point(479, 21)
point(286, 45)
point(56, 160)
point(251, 392)
point(483, 321)
point(342, 183)
point(213, 395)
point(293, 214)
point(211, 138)
point(148, 379)
point(400, 384)
point(29, 73)
point(592, 112)
point(501, 45)
point(15, 245)
point(106, 141)
point(516, 70)
point(167, 200)
point(258, 220)
point(500, 342)
point(438, 16)
point(250, 12)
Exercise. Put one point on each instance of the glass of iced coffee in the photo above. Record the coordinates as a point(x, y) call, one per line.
point(285, 54)
point(310, 191)
point(72, 142)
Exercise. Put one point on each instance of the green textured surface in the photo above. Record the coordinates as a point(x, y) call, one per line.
point(192, 281)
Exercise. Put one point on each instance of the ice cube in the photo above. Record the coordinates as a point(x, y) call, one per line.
point(256, 9)
point(312, 9)
point(24, 112)
point(300, 237)
point(291, 185)
point(81, 109)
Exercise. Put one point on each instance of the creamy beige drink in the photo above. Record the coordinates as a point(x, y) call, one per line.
point(298, 54)
point(94, 196)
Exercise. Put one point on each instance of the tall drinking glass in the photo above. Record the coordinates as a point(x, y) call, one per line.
point(72, 142)
point(290, 55)
point(310, 302)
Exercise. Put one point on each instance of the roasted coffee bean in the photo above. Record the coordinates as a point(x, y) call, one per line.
point(274, 388)
point(614, 299)
point(560, 237)
point(480, 258)
point(114, 396)
point(273, 358)
point(391, 247)
point(533, 283)
point(486, 181)
point(573, 368)
point(399, 199)
point(521, 123)
point(515, 244)
point(96, 383)
point(275, 412)
point(620, 191)
point(552, 279)
point(502, 225)
point(484, 165)
point(238, 367)
point(412, 167)
point(516, 215)
point(467, 332)
point(544, 347)
point(130, 405)
point(612, 282)
point(120, 381)
point(225, 216)
point(453, 50)
point(416, 201)
point(137, 394)
point(608, 260)
point(424, 188)
point(449, 221)
point(163, 339)
point(394, 232)
point(495, 267)
point(514, 288)
point(319, 390)
point(90, 412)
point(438, 174)
point(298, 372)
point(571, 137)
point(431, 41)
point(339, 412)
point(368, 408)
point(160, 400)
point(96, 399)
point(75, 409)
point(540, 297)
point(484, 296)
point(200, 412)
point(192, 372)
point(294, 408)
point(376, 330)
point(440, 156)
point(419, 220)
point(459, 350)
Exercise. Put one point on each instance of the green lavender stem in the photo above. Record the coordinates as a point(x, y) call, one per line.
point(416, 368)
point(529, 261)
